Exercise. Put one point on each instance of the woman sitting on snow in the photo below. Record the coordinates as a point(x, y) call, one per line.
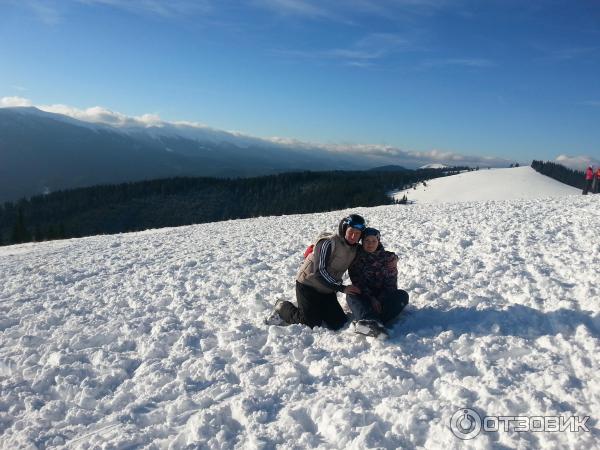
point(374, 271)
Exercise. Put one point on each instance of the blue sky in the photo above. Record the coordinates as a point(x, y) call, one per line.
point(513, 79)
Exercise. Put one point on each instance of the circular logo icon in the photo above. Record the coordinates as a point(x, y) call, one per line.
point(465, 424)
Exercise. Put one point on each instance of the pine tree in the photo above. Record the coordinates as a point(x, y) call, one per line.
point(19, 232)
point(51, 233)
point(61, 231)
point(38, 236)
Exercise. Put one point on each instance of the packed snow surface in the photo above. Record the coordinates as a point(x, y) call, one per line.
point(487, 184)
point(156, 340)
point(433, 166)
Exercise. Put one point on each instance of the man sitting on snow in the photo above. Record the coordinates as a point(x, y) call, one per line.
point(320, 278)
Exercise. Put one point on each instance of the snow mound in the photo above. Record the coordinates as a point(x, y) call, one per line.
point(434, 166)
point(155, 339)
point(488, 184)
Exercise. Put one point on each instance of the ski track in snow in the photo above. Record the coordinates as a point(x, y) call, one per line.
point(155, 339)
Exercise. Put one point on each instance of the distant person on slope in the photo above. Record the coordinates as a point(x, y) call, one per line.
point(375, 272)
point(589, 175)
point(596, 182)
point(320, 278)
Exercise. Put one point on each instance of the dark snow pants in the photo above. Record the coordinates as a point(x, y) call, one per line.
point(313, 308)
point(392, 303)
point(587, 187)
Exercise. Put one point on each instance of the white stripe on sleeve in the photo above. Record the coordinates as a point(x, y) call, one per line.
point(323, 263)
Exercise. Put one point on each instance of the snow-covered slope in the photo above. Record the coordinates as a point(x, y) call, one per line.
point(433, 166)
point(155, 339)
point(492, 184)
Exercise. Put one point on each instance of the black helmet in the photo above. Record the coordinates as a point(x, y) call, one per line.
point(372, 232)
point(354, 221)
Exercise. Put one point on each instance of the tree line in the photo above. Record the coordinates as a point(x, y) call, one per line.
point(575, 178)
point(117, 208)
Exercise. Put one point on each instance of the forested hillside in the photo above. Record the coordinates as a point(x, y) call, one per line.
point(182, 201)
point(559, 172)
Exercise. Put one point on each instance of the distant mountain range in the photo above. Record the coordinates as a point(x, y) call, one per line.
point(42, 152)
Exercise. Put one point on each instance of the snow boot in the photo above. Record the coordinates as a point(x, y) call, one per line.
point(370, 328)
point(275, 318)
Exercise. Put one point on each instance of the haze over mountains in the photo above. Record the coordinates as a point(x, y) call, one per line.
point(43, 152)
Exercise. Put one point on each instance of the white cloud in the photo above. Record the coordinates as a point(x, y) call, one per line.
point(381, 154)
point(361, 53)
point(171, 8)
point(294, 7)
point(387, 154)
point(52, 12)
point(479, 63)
point(98, 114)
point(594, 103)
point(49, 12)
point(552, 54)
point(95, 114)
point(579, 162)
point(343, 10)
point(7, 102)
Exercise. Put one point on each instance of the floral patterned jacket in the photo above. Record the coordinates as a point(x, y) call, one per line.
point(370, 272)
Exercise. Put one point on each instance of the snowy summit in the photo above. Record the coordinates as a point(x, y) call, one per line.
point(487, 184)
point(433, 166)
point(156, 339)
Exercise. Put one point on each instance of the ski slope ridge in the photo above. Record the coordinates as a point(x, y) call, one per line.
point(488, 184)
point(155, 339)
